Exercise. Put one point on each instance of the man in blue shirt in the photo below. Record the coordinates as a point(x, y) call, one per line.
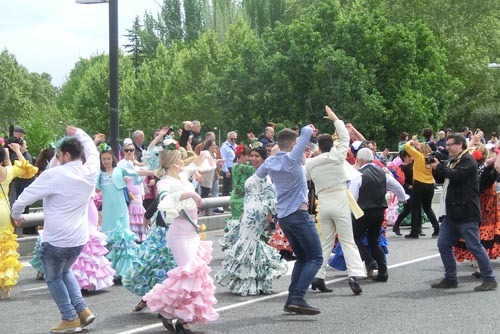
point(227, 152)
point(286, 171)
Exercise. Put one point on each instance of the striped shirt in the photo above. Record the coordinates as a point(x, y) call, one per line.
point(287, 173)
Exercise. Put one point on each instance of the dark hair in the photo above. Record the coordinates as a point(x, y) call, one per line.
point(325, 142)
point(427, 133)
point(114, 161)
point(403, 135)
point(43, 159)
point(458, 138)
point(2, 155)
point(286, 137)
point(73, 147)
point(207, 144)
point(403, 154)
point(261, 150)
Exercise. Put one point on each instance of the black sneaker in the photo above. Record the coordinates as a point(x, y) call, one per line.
point(218, 211)
point(486, 286)
point(445, 284)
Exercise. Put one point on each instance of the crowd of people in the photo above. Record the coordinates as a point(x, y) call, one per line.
point(131, 217)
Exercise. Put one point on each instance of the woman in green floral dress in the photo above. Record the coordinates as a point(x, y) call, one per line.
point(241, 171)
point(250, 265)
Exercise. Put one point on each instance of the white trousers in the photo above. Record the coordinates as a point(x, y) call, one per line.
point(334, 216)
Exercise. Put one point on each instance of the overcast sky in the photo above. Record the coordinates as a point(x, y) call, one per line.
point(51, 35)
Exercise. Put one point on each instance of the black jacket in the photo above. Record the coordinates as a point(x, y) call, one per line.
point(462, 196)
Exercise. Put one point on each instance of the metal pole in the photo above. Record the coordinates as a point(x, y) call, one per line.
point(114, 119)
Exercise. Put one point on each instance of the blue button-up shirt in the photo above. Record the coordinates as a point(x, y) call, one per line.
point(287, 173)
point(227, 152)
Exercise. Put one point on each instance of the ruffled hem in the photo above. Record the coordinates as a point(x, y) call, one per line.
point(122, 251)
point(29, 170)
point(92, 269)
point(249, 268)
point(189, 292)
point(151, 267)
point(136, 213)
point(338, 260)
point(36, 262)
point(232, 235)
point(10, 266)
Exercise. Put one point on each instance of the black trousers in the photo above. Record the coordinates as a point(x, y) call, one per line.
point(227, 183)
point(371, 222)
point(422, 195)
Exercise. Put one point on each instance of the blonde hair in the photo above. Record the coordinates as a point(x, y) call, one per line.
point(424, 148)
point(167, 158)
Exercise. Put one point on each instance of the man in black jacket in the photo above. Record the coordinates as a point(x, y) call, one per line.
point(461, 213)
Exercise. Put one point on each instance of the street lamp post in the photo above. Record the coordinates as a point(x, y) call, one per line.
point(114, 116)
point(215, 128)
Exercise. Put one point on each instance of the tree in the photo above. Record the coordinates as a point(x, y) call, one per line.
point(135, 47)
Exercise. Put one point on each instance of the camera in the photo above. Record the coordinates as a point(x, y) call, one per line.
point(434, 155)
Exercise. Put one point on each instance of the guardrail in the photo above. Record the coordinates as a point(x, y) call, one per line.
point(35, 217)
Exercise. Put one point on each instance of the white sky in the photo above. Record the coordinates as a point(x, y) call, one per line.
point(51, 35)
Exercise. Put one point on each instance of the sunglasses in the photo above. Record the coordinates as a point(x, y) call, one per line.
point(232, 139)
point(129, 150)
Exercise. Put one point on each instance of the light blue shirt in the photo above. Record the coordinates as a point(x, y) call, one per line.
point(287, 173)
point(227, 152)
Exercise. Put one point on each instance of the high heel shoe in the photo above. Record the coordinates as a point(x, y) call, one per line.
point(319, 283)
point(180, 328)
point(396, 230)
point(140, 306)
point(168, 325)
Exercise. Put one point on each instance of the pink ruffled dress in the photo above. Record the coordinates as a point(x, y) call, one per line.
point(188, 293)
point(92, 269)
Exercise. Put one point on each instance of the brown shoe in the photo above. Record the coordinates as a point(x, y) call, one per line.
point(67, 326)
point(86, 317)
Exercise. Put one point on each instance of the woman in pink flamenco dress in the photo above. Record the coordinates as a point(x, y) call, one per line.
point(187, 295)
point(92, 269)
point(135, 209)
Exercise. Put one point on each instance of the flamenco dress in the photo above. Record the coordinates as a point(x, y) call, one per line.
point(10, 266)
point(154, 258)
point(92, 269)
point(188, 292)
point(115, 221)
point(240, 173)
point(135, 209)
point(489, 227)
point(250, 265)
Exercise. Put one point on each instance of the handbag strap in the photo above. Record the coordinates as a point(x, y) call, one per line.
point(196, 227)
point(6, 197)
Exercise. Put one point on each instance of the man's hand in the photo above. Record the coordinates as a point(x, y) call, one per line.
point(70, 130)
point(330, 114)
point(187, 125)
point(18, 222)
point(434, 164)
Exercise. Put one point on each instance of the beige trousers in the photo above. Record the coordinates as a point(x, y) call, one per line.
point(334, 216)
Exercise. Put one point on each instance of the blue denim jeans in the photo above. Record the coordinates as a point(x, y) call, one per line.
point(61, 282)
point(449, 235)
point(302, 234)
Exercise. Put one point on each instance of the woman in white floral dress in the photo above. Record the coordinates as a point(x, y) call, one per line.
point(250, 265)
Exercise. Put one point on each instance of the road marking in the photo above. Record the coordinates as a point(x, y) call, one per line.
point(279, 294)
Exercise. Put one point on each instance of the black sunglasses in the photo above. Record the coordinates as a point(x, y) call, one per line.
point(129, 150)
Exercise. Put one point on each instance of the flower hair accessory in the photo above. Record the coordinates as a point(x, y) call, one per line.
point(127, 141)
point(170, 144)
point(255, 144)
point(2, 142)
point(104, 147)
point(239, 150)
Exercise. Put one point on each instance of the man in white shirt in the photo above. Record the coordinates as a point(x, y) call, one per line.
point(227, 152)
point(327, 171)
point(65, 190)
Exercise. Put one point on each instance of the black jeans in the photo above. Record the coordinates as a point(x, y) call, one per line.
point(406, 211)
point(371, 222)
point(422, 195)
point(227, 183)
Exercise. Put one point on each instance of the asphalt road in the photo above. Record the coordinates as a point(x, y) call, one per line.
point(405, 304)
